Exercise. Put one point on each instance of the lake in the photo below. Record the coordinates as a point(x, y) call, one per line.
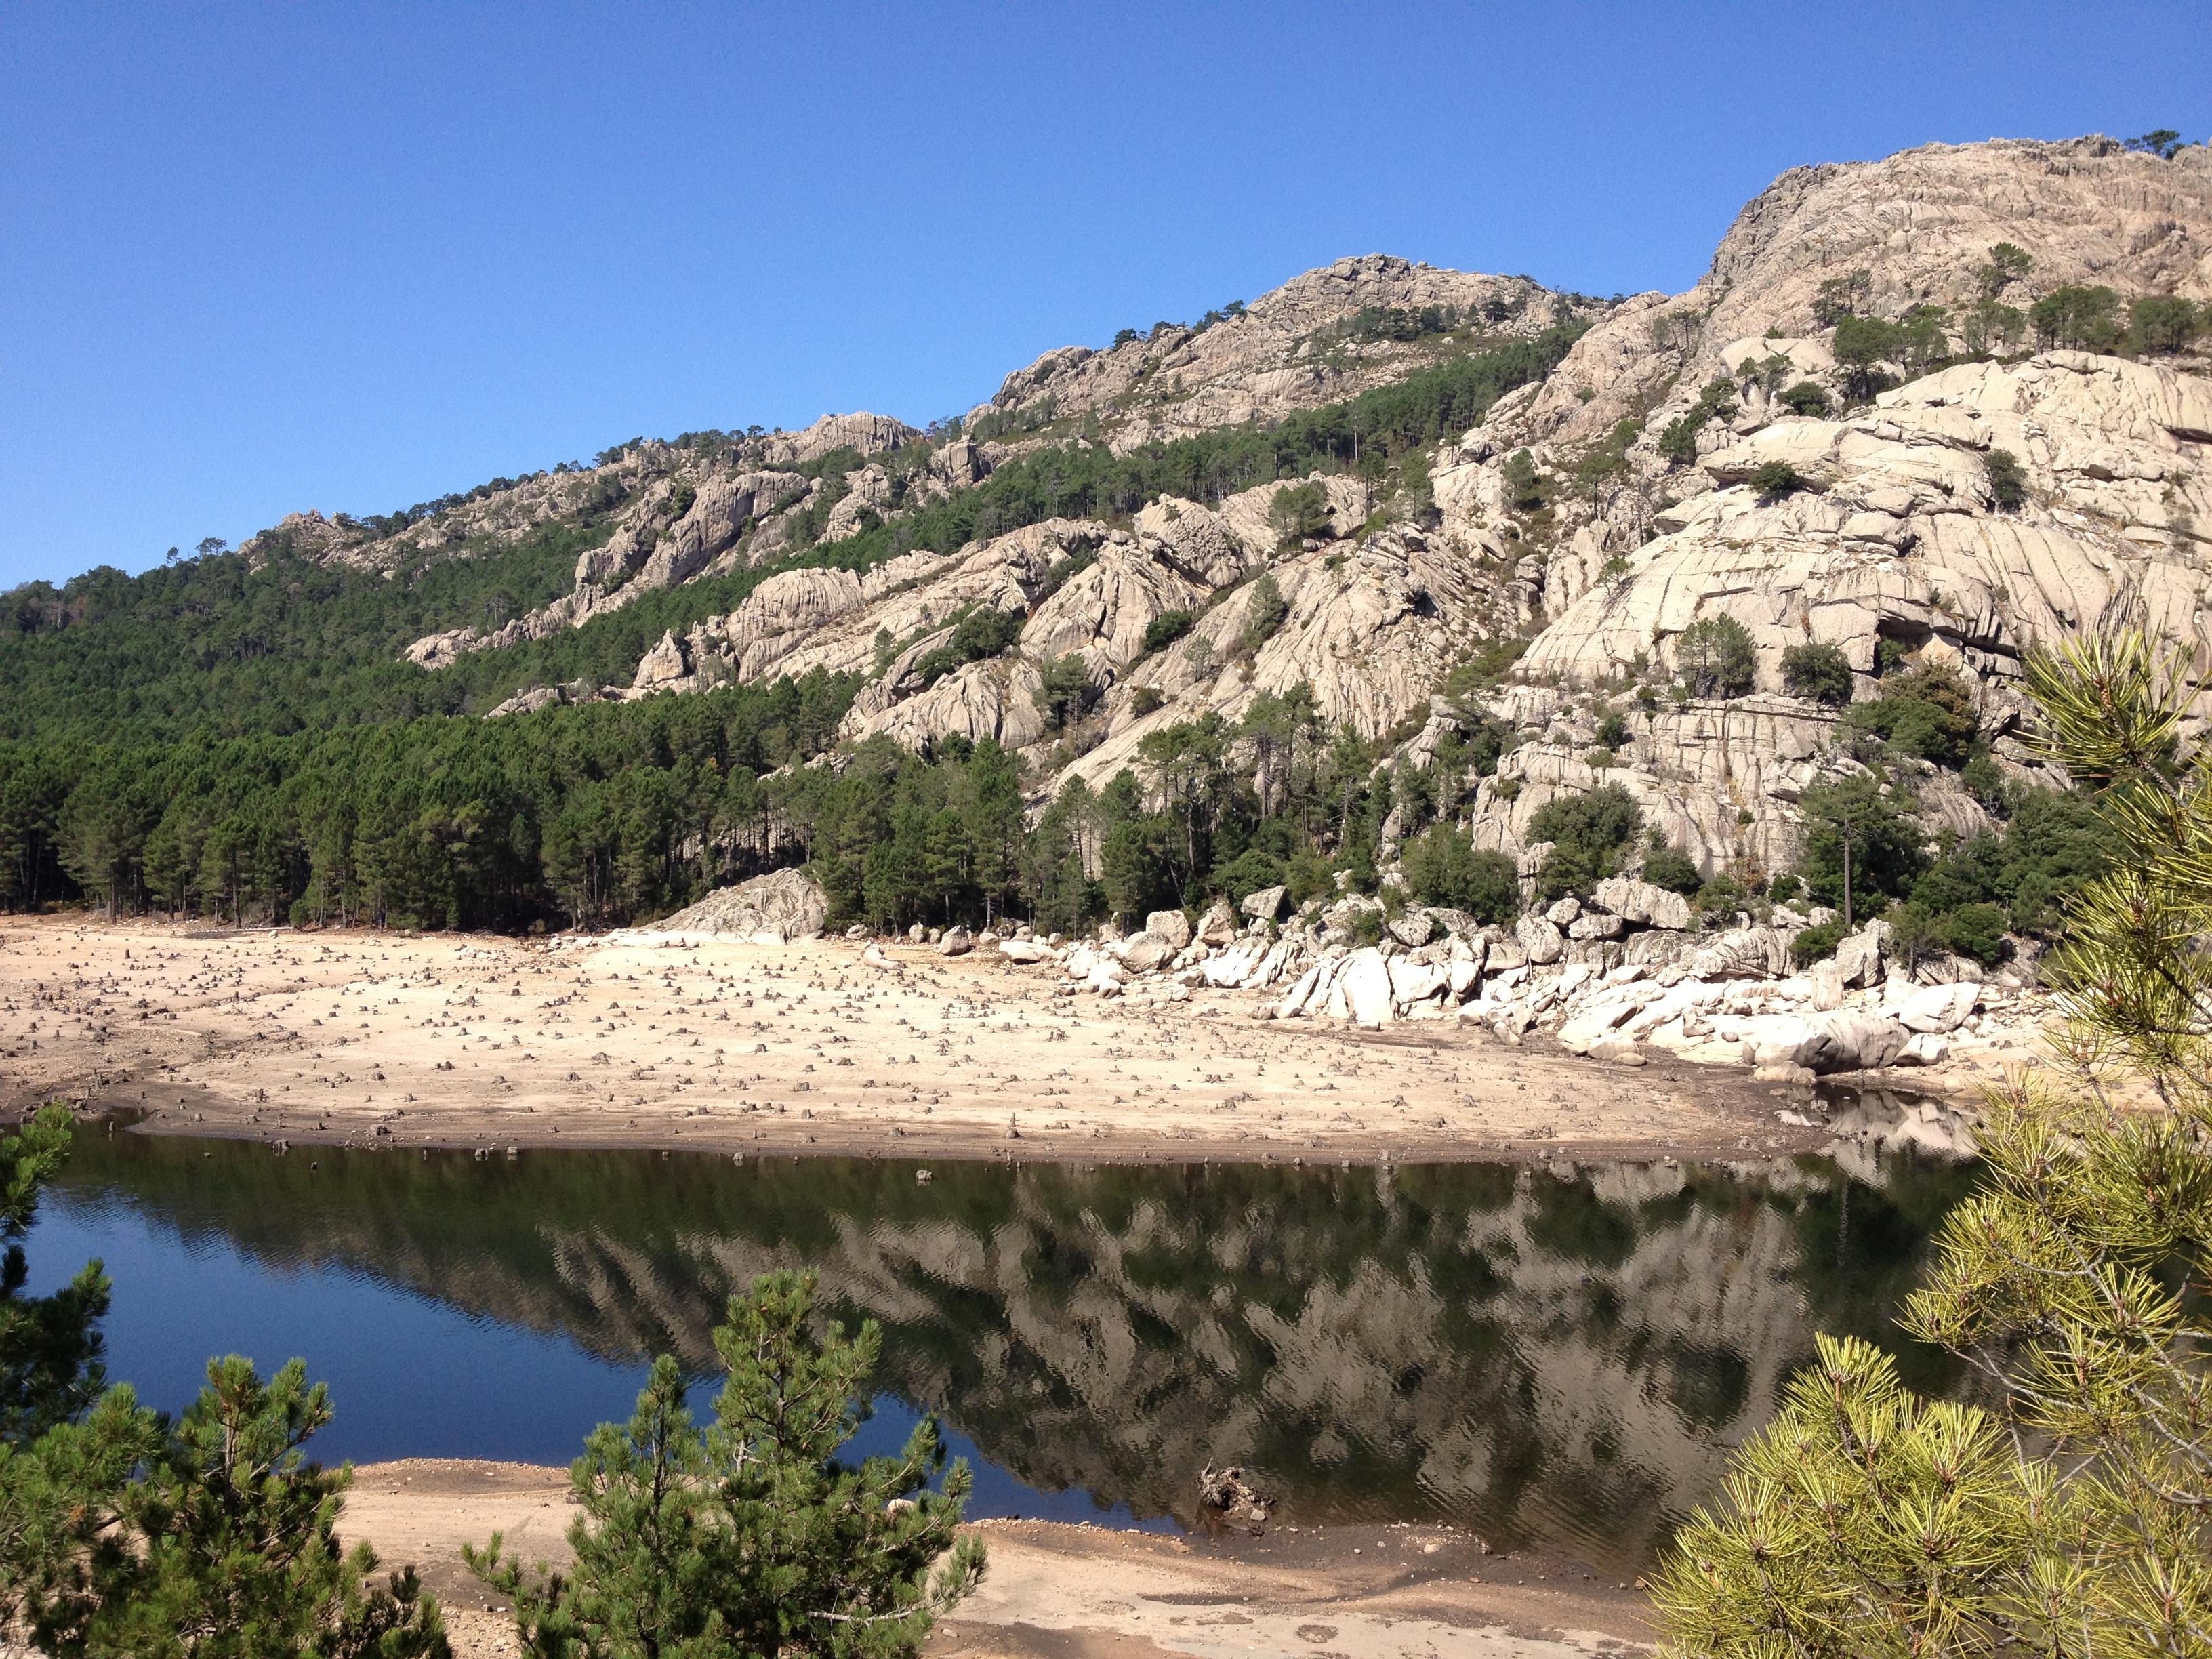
point(1558, 1354)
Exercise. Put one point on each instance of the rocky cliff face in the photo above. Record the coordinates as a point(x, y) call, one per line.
point(1894, 537)
point(1299, 347)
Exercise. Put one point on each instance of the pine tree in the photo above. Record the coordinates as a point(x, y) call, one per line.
point(123, 1534)
point(749, 1537)
point(2073, 1516)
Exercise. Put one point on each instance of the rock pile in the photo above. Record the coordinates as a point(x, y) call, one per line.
point(1614, 978)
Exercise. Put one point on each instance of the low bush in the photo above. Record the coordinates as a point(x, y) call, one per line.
point(1673, 869)
point(1822, 672)
point(1164, 629)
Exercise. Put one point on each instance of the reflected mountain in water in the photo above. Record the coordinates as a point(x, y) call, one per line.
point(1554, 1354)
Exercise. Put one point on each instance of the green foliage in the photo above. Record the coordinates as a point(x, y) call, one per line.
point(1678, 443)
point(1806, 398)
point(1839, 297)
point(1992, 325)
point(1589, 833)
point(2162, 143)
point(1064, 692)
point(750, 1536)
point(1926, 711)
point(2009, 262)
point(1265, 612)
point(1492, 661)
point(1524, 491)
point(121, 1533)
point(1444, 868)
point(1164, 629)
point(1715, 658)
point(50, 1346)
point(1862, 344)
point(1860, 844)
point(2085, 318)
point(1612, 729)
point(1822, 672)
point(982, 632)
point(1673, 869)
point(2162, 327)
point(2071, 1514)
point(2007, 480)
point(576, 812)
point(1775, 479)
point(1606, 461)
point(1297, 513)
point(1816, 943)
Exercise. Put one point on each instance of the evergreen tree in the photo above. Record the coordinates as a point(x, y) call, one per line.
point(748, 1537)
point(124, 1535)
point(2073, 1515)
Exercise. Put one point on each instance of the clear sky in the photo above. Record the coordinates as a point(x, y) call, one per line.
point(255, 258)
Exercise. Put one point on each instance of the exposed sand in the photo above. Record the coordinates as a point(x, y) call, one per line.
point(447, 1040)
point(1062, 1592)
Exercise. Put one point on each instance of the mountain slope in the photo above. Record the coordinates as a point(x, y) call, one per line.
point(1257, 585)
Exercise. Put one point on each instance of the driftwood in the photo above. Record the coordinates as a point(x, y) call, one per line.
point(1224, 1495)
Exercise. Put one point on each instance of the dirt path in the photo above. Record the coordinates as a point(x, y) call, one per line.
point(445, 1040)
point(1063, 1592)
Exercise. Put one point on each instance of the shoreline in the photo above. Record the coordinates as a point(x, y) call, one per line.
point(302, 1041)
point(1057, 1590)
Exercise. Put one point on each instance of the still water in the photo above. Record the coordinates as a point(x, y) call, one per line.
point(1555, 1355)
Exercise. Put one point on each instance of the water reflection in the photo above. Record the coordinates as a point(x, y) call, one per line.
point(1554, 1354)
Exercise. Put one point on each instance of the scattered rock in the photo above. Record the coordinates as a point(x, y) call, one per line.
point(1266, 905)
point(1171, 928)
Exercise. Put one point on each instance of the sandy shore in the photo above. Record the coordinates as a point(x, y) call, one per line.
point(1067, 1592)
point(398, 1041)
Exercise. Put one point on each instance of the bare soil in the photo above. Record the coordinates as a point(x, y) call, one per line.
point(306, 1038)
point(1073, 1592)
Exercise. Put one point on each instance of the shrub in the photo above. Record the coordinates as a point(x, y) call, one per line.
point(1777, 478)
point(1817, 942)
point(1613, 730)
point(981, 633)
point(1822, 672)
point(1672, 868)
point(2007, 480)
point(1716, 658)
point(1441, 867)
point(1145, 700)
point(1679, 443)
point(1588, 833)
point(1978, 931)
point(1721, 896)
point(1251, 871)
point(1927, 711)
point(1784, 888)
point(1164, 629)
point(1806, 398)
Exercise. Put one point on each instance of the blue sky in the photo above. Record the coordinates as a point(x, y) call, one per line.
point(261, 257)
